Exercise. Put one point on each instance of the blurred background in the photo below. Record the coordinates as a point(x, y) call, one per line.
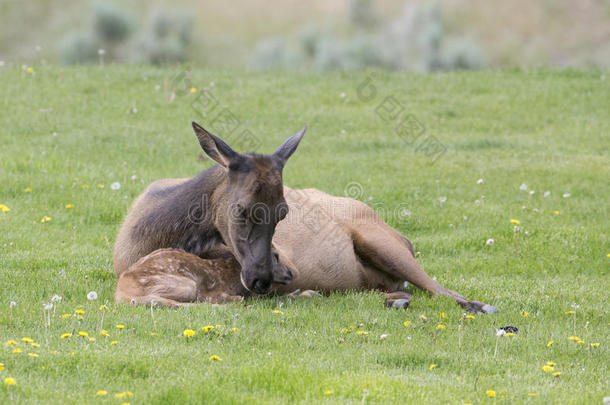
point(313, 35)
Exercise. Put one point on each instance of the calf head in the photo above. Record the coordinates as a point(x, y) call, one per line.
point(250, 206)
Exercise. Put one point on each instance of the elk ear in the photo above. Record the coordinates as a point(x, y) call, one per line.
point(214, 147)
point(289, 146)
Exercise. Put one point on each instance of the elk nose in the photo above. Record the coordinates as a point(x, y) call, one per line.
point(261, 286)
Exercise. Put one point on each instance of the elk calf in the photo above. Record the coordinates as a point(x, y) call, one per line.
point(174, 278)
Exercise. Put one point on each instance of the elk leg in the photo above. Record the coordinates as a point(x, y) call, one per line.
point(391, 255)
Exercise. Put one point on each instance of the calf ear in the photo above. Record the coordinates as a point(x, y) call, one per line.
point(289, 146)
point(214, 147)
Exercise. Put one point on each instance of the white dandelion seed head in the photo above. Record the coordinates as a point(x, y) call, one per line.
point(48, 307)
point(500, 332)
point(442, 199)
point(101, 52)
point(547, 194)
point(92, 296)
point(567, 195)
point(383, 337)
point(342, 95)
point(489, 242)
point(134, 177)
point(13, 304)
point(527, 233)
point(115, 186)
point(38, 48)
point(523, 187)
point(56, 298)
point(532, 192)
point(1, 63)
point(480, 181)
point(477, 202)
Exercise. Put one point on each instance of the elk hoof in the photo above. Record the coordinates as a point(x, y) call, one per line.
point(476, 306)
point(304, 294)
point(401, 303)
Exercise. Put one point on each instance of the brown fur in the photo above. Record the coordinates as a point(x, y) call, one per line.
point(335, 243)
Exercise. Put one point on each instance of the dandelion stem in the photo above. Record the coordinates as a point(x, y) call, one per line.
point(496, 348)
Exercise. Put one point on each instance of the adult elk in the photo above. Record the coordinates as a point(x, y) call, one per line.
point(331, 243)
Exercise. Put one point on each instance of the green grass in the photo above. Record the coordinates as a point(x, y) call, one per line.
point(548, 129)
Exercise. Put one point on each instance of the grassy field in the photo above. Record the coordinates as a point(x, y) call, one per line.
point(66, 135)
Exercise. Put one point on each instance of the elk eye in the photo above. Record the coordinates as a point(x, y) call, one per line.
point(282, 211)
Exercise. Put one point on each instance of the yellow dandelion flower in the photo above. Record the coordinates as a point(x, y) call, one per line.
point(509, 334)
point(114, 342)
point(440, 326)
point(83, 334)
point(32, 355)
point(596, 344)
point(490, 393)
point(234, 329)
point(278, 312)
point(103, 307)
point(79, 311)
point(45, 219)
point(120, 394)
point(550, 343)
point(551, 363)
point(64, 316)
point(574, 338)
point(432, 366)
point(556, 373)
point(66, 335)
point(4, 208)
point(100, 186)
point(608, 255)
point(556, 212)
point(17, 350)
point(125, 403)
point(119, 326)
point(11, 342)
point(153, 333)
point(104, 333)
point(207, 328)
point(27, 339)
point(423, 317)
point(547, 368)
point(188, 333)
point(34, 344)
point(515, 221)
point(443, 315)
point(91, 339)
point(30, 70)
point(193, 90)
point(215, 358)
point(570, 312)
point(10, 381)
point(101, 392)
point(27, 190)
point(407, 323)
point(1, 366)
point(532, 394)
point(362, 333)
point(469, 316)
point(69, 206)
point(328, 392)
point(580, 342)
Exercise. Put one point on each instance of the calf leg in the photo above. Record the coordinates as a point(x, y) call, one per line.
point(391, 255)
